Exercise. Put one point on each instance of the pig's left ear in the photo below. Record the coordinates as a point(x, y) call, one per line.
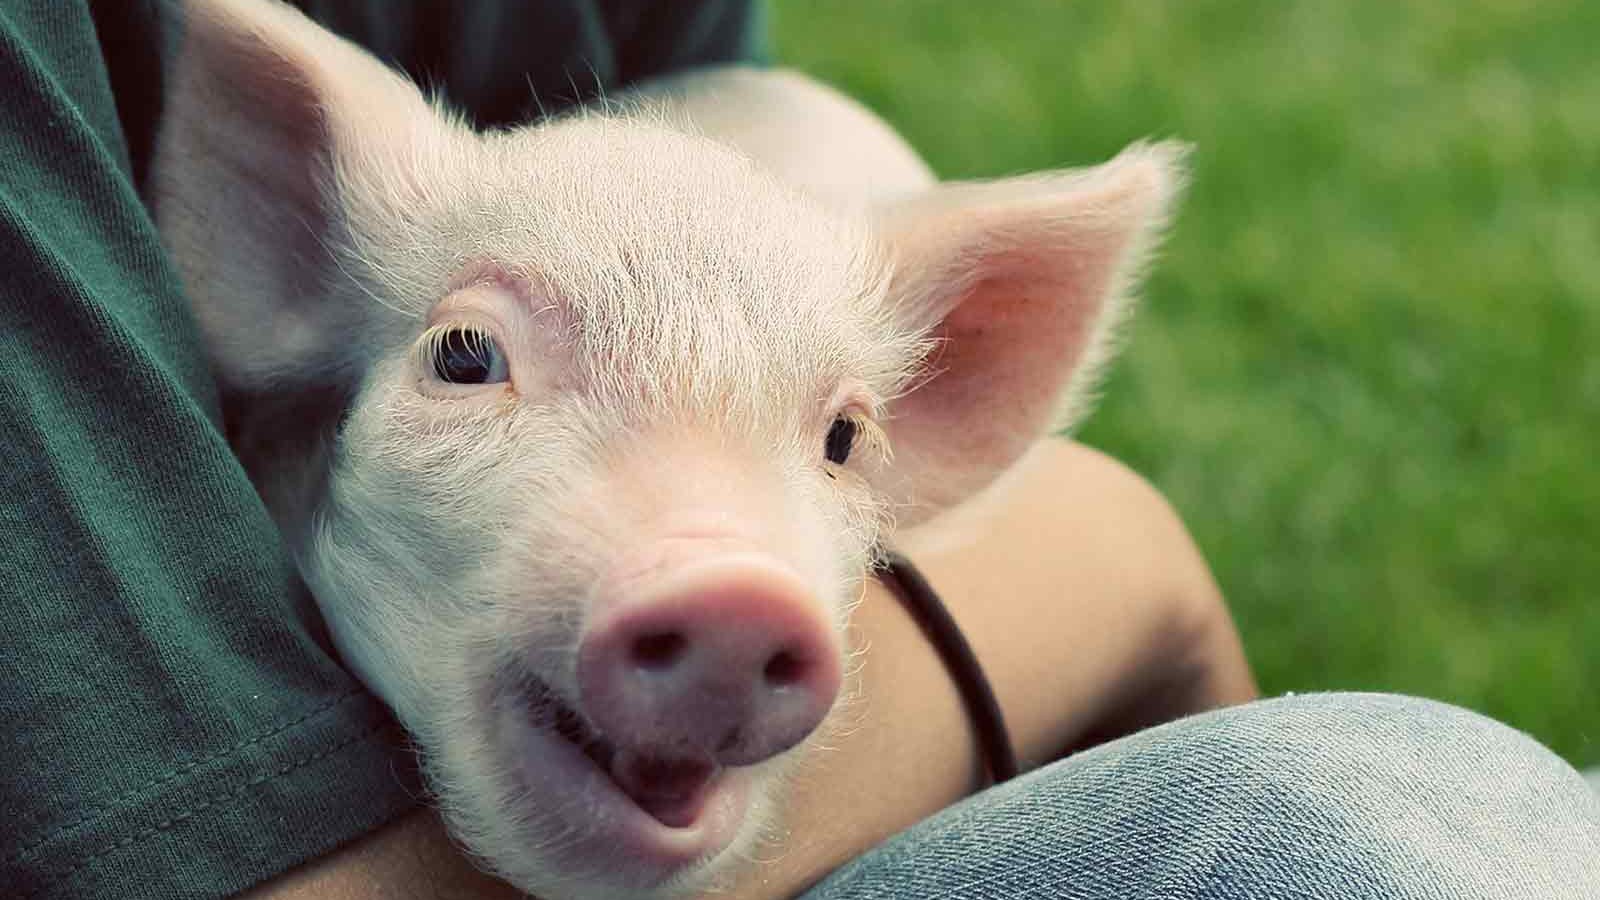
point(1021, 282)
point(266, 112)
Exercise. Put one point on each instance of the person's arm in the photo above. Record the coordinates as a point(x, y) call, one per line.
point(1089, 606)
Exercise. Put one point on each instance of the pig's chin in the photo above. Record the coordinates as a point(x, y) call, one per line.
point(652, 820)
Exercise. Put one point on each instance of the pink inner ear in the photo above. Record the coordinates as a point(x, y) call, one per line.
point(1007, 350)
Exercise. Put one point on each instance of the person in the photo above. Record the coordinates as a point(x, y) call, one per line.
point(177, 724)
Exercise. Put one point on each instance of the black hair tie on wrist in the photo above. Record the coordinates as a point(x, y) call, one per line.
point(918, 597)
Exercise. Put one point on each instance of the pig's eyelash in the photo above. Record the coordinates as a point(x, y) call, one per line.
point(427, 346)
point(870, 437)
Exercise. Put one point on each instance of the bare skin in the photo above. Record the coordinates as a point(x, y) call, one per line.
point(1084, 597)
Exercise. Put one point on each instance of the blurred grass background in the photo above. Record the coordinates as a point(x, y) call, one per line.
point(1367, 367)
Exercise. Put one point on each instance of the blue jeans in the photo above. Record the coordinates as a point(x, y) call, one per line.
point(1325, 796)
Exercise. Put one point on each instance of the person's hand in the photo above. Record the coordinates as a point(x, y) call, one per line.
point(1088, 605)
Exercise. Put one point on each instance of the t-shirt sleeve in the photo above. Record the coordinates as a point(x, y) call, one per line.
point(173, 719)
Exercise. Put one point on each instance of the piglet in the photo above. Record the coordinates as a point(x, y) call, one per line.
point(584, 434)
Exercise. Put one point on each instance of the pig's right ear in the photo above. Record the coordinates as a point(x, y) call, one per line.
point(265, 110)
point(1020, 282)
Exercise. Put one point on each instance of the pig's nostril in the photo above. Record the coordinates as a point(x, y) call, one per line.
point(658, 651)
point(784, 669)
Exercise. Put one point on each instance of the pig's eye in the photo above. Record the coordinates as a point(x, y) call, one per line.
point(468, 356)
point(841, 437)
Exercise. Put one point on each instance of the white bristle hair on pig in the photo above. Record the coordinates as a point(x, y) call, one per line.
point(584, 434)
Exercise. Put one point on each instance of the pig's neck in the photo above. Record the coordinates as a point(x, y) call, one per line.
point(285, 440)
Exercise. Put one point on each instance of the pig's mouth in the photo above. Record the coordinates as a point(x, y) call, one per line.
point(673, 789)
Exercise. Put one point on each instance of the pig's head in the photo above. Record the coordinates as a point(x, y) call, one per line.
point(584, 434)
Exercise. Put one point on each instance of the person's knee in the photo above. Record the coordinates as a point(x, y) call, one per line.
point(1318, 795)
point(1397, 795)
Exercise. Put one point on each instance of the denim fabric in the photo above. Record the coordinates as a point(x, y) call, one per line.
point(1324, 796)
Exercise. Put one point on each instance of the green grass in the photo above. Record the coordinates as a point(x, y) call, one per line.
point(1367, 368)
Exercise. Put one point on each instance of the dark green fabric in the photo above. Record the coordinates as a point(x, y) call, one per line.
point(173, 721)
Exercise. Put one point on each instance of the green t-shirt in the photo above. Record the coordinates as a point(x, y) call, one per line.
point(173, 720)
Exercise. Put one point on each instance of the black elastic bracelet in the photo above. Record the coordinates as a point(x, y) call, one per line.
point(919, 599)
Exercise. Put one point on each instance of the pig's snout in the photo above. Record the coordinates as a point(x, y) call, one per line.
point(734, 661)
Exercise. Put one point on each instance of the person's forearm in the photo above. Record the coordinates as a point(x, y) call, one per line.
point(411, 858)
point(1086, 599)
